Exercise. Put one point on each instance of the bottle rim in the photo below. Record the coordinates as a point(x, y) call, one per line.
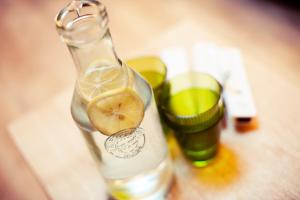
point(91, 13)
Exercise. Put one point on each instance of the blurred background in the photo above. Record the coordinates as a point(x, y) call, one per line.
point(35, 65)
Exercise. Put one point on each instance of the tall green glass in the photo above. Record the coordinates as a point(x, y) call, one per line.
point(192, 106)
point(154, 71)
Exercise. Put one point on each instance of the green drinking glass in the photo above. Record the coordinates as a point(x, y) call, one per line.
point(152, 70)
point(192, 106)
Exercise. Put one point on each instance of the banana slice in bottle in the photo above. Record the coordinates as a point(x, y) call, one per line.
point(115, 111)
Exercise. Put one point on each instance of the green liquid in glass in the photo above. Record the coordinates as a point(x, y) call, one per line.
point(198, 146)
point(154, 78)
point(192, 101)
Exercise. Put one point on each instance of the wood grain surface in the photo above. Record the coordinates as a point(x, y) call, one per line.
point(258, 165)
point(35, 66)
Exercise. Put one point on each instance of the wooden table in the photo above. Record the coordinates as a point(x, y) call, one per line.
point(259, 165)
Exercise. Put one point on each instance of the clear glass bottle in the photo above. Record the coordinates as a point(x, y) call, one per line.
point(114, 107)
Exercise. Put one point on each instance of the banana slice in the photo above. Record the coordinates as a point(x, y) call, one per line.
point(115, 111)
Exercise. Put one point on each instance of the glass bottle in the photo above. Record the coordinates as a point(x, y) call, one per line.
point(114, 107)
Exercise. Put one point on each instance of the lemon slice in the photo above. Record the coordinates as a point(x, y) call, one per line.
point(97, 80)
point(115, 111)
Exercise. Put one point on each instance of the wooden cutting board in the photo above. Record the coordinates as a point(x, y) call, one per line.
point(264, 164)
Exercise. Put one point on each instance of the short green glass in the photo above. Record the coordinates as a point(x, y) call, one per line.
point(192, 106)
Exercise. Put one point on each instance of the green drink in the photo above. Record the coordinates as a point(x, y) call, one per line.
point(154, 78)
point(193, 109)
point(152, 70)
point(192, 101)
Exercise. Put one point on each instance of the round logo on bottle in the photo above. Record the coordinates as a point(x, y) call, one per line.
point(126, 143)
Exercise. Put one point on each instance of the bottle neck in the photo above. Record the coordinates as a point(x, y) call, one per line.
point(98, 53)
point(83, 26)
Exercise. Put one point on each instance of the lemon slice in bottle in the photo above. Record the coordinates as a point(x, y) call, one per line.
point(97, 80)
point(116, 110)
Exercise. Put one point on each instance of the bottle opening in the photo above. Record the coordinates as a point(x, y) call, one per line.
point(82, 21)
